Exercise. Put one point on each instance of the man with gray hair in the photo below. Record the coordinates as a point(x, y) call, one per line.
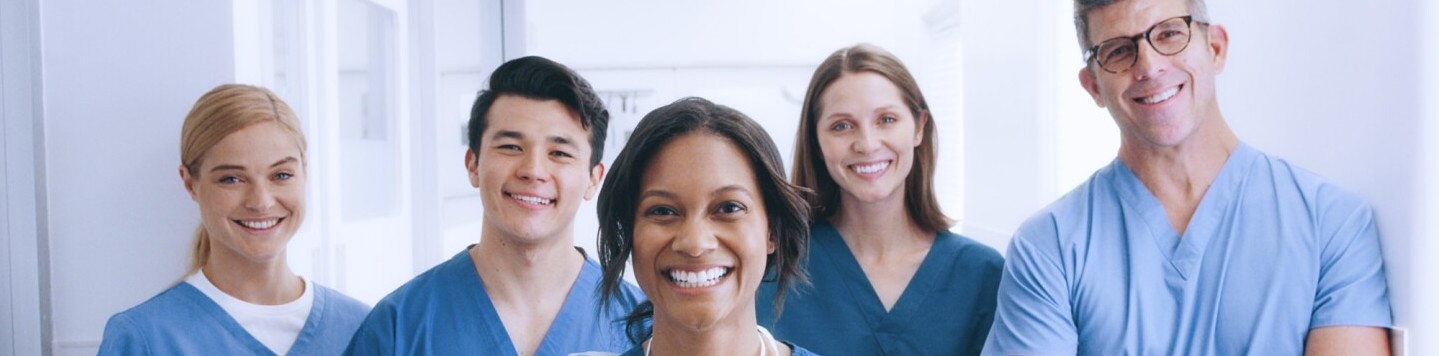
point(1190, 242)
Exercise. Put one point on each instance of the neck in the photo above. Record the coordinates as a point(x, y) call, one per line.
point(266, 283)
point(739, 336)
point(869, 228)
point(1184, 170)
point(518, 272)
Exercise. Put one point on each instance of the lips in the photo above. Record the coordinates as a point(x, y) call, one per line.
point(530, 199)
point(697, 278)
point(870, 167)
point(1159, 97)
point(259, 224)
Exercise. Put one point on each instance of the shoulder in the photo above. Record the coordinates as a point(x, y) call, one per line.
point(176, 301)
point(973, 253)
point(1051, 226)
point(133, 330)
point(339, 303)
point(1324, 201)
point(626, 297)
point(432, 285)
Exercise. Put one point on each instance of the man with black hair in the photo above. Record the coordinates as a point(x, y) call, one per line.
point(536, 138)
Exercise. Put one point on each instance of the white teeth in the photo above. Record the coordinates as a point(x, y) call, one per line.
point(1161, 97)
point(259, 224)
point(871, 168)
point(705, 278)
point(531, 200)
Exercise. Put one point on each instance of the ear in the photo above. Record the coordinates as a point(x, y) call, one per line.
point(1090, 84)
point(769, 245)
point(189, 182)
point(472, 166)
point(597, 177)
point(1219, 45)
point(919, 127)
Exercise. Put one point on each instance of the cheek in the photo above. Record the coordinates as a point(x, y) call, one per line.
point(756, 242)
point(830, 147)
point(648, 241)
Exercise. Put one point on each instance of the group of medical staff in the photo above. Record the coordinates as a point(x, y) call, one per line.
point(1190, 242)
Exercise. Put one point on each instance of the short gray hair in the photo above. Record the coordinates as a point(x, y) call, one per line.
point(1083, 7)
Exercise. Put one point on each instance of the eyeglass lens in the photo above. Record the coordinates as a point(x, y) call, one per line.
point(1167, 38)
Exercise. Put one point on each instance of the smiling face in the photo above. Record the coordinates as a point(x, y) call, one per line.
point(532, 170)
point(251, 191)
point(700, 233)
point(868, 136)
point(1162, 100)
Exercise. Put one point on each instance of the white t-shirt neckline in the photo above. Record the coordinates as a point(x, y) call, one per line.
point(275, 326)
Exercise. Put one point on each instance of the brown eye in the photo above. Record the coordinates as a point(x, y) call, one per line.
point(730, 208)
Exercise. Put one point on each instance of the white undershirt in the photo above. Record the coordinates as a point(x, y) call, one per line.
point(276, 326)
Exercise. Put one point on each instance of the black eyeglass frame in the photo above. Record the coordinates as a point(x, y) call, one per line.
point(1092, 54)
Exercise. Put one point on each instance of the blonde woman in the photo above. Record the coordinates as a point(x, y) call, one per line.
point(243, 162)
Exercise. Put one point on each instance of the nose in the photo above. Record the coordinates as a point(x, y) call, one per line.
point(532, 168)
point(259, 197)
point(1149, 64)
point(866, 139)
point(696, 238)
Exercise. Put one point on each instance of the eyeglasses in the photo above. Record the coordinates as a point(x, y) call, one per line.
point(1167, 37)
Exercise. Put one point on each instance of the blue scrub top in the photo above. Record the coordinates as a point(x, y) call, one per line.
point(1271, 252)
point(446, 311)
point(946, 309)
point(183, 321)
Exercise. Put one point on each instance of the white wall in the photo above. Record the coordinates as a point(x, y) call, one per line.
point(21, 279)
point(1423, 314)
point(115, 91)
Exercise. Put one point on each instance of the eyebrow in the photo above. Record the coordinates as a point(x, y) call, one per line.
point(890, 107)
point(516, 135)
point(730, 188)
point(232, 167)
point(671, 195)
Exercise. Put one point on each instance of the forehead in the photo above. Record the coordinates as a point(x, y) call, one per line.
point(533, 118)
point(263, 143)
point(695, 164)
point(858, 92)
point(1131, 17)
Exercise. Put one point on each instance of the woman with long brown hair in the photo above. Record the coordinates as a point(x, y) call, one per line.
point(888, 276)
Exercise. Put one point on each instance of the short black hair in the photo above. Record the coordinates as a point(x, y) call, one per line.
point(784, 203)
point(538, 78)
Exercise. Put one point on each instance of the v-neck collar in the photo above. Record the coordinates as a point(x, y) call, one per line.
point(559, 328)
point(304, 341)
point(1185, 252)
point(925, 281)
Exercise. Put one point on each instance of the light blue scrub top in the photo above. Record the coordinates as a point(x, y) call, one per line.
point(183, 321)
point(946, 309)
point(1271, 252)
point(446, 311)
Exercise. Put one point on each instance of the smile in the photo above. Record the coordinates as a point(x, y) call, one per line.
point(1159, 97)
point(698, 279)
point(530, 199)
point(871, 168)
point(262, 224)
